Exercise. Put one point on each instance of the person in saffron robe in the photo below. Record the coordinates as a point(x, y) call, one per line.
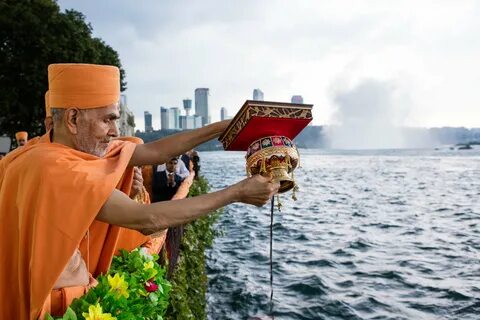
point(22, 138)
point(64, 196)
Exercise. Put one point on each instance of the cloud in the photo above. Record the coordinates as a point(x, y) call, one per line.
point(169, 48)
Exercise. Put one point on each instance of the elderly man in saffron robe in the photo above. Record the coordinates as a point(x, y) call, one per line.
point(70, 187)
point(22, 138)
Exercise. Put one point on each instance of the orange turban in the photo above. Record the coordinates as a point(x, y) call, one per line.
point(21, 135)
point(83, 86)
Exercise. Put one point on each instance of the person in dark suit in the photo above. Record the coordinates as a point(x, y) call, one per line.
point(165, 183)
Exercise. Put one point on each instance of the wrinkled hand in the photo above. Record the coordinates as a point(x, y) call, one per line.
point(257, 190)
point(137, 185)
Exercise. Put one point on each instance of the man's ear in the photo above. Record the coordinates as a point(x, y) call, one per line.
point(71, 120)
point(48, 123)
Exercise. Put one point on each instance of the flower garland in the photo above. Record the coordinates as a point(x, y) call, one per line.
point(134, 288)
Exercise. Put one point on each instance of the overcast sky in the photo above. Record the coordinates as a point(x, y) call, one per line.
point(426, 52)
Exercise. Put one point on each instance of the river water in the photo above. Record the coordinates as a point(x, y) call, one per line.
point(391, 234)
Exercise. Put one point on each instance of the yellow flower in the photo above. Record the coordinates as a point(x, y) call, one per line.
point(149, 267)
point(95, 312)
point(118, 285)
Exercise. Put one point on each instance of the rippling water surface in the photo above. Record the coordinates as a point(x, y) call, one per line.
point(373, 235)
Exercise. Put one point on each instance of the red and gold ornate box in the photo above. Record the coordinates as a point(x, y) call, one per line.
point(265, 130)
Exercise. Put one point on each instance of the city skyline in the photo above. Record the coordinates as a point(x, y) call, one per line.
point(341, 56)
point(179, 118)
point(174, 118)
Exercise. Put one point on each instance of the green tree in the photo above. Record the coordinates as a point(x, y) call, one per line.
point(34, 34)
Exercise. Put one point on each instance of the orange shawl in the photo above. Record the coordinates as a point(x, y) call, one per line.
point(50, 195)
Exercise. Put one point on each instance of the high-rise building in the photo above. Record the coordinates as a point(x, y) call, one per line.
point(198, 123)
point(257, 95)
point(190, 122)
point(187, 105)
point(148, 122)
point(171, 119)
point(201, 105)
point(164, 118)
point(174, 118)
point(297, 99)
point(183, 122)
point(223, 113)
point(187, 122)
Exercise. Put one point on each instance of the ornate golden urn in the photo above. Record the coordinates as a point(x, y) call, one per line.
point(275, 155)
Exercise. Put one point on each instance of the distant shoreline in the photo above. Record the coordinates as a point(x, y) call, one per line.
point(319, 137)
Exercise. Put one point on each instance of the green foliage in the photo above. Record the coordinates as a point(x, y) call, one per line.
point(189, 281)
point(69, 315)
point(135, 288)
point(34, 34)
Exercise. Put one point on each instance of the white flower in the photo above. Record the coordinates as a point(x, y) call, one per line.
point(145, 255)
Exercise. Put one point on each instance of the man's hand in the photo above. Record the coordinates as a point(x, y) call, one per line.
point(256, 190)
point(137, 185)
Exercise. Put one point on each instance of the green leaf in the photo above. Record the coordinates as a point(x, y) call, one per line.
point(69, 315)
point(153, 297)
point(48, 317)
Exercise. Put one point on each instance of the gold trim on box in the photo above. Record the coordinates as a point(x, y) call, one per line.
point(264, 109)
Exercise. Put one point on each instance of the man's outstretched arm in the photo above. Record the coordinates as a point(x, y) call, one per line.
point(164, 149)
point(149, 218)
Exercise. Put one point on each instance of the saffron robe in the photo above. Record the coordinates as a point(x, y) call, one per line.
point(50, 195)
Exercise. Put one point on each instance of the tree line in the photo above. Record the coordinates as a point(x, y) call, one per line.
point(34, 34)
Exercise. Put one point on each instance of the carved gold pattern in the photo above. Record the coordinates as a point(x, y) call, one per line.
point(268, 110)
point(280, 161)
